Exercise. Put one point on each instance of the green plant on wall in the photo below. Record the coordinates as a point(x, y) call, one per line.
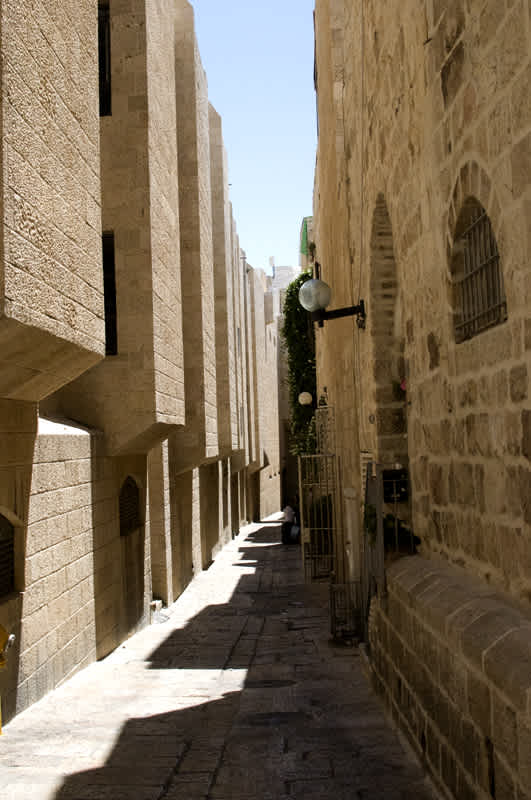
point(299, 340)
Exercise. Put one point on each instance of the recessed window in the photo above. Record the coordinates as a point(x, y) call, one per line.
point(104, 56)
point(7, 557)
point(129, 507)
point(109, 294)
point(478, 289)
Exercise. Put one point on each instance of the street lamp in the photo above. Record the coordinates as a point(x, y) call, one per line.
point(305, 399)
point(315, 295)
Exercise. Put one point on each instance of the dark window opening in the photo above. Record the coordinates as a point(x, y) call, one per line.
point(479, 293)
point(7, 557)
point(395, 485)
point(109, 294)
point(104, 55)
point(129, 507)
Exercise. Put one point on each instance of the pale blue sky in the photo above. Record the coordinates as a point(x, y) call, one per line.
point(258, 57)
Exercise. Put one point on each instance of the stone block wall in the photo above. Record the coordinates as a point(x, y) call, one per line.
point(434, 111)
point(267, 396)
point(200, 438)
point(209, 509)
point(185, 539)
point(51, 296)
point(81, 587)
point(58, 631)
point(162, 570)
point(137, 394)
point(251, 332)
point(336, 231)
point(451, 659)
point(119, 496)
point(423, 107)
point(164, 203)
point(240, 429)
point(223, 284)
point(18, 431)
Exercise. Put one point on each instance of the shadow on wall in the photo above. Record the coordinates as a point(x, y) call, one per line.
point(15, 490)
point(253, 496)
point(181, 526)
point(118, 514)
point(210, 518)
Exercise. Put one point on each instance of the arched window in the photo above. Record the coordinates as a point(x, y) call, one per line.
point(478, 292)
point(129, 507)
point(7, 557)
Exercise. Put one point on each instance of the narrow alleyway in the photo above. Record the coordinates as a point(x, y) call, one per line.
point(237, 694)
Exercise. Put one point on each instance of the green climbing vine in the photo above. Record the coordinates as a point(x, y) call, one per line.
point(299, 341)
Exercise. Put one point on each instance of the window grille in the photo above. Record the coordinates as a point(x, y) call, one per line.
point(109, 294)
point(129, 507)
point(480, 301)
point(7, 557)
point(104, 55)
point(395, 485)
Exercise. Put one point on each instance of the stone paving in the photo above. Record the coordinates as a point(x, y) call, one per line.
point(237, 694)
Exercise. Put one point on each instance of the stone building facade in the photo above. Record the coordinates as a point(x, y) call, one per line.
point(138, 402)
point(422, 209)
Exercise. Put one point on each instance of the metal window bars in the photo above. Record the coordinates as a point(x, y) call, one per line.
point(480, 294)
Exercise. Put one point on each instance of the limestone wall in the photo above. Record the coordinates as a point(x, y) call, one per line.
point(120, 497)
point(241, 429)
point(336, 236)
point(199, 439)
point(424, 111)
point(267, 396)
point(75, 584)
point(435, 110)
point(238, 364)
point(164, 212)
point(136, 393)
point(452, 661)
point(18, 430)
point(223, 282)
point(251, 333)
point(163, 575)
point(51, 298)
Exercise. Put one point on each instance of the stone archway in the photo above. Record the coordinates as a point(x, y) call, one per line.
point(389, 369)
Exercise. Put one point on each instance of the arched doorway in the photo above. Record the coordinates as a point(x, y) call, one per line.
point(390, 383)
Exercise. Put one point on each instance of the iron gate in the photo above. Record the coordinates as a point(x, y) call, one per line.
point(319, 507)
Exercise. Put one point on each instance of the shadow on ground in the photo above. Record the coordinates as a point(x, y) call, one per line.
point(295, 720)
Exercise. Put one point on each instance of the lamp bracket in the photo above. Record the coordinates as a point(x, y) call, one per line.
point(348, 311)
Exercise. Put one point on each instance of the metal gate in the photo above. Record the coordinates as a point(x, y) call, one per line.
point(320, 515)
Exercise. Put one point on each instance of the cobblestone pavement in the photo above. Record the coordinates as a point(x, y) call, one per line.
point(237, 695)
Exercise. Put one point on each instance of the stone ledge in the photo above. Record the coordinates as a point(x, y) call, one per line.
point(477, 620)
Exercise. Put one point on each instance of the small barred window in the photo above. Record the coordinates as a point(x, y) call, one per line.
point(129, 507)
point(479, 294)
point(7, 557)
